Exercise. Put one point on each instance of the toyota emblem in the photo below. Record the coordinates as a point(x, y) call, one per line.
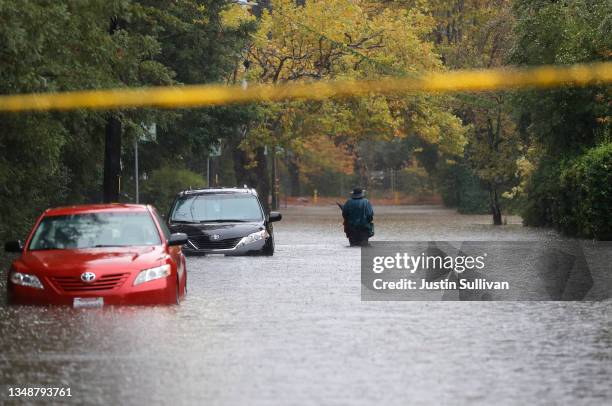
point(88, 277)
point(215, 237)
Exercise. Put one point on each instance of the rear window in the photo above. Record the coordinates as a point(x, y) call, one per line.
point(91, 230)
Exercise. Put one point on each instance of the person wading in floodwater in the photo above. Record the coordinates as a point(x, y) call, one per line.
point(358, 216)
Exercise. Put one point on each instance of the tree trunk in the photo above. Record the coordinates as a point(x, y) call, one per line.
point(112, 147)
point(361, 170)
point(260, 7)
point(263, 178)
point(294, 176)
point(275, 183)
point(241, 161)
point(258, 177)
point(215, 171)
point(495, 208)
point(112, 161)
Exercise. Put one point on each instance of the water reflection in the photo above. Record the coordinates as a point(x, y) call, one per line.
point(292, 329)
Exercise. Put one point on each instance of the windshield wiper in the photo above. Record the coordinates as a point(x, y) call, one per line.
point(223, 221)
point(184, 221)
point(107, 245)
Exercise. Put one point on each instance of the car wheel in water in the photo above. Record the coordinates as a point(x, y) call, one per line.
point(268, 249)
point(185, 268)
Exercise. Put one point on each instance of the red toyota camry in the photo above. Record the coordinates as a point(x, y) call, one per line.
point(96, 255)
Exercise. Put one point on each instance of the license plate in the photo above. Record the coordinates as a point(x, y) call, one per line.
point(88, 302)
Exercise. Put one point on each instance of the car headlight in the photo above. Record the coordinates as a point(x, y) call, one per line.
point(251, 238)
point(26, 279)
point(151, 274)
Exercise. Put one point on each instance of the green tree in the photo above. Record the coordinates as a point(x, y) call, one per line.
point(478, 34)
point(53, 158)
point(564, 126)
point(48, 46)
point(340, 40)
point(201, 43)
point(165, 182)
point(493, 151)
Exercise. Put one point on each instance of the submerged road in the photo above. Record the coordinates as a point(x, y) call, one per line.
point(291, 329)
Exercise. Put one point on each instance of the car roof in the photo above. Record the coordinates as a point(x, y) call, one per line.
point(96, 208)
point(218, 190)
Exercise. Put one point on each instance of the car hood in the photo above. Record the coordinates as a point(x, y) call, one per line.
point(224, 230)
point(115, 259)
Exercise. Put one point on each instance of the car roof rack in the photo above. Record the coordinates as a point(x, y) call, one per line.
point(218, 189)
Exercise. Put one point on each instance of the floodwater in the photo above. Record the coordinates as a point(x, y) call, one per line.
point(292, 329)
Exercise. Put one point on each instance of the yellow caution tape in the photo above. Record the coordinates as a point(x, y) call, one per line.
point(212, 95)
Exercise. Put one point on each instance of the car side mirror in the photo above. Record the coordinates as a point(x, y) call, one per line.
point(275, 216)
point(177, 239)
point(13, 246)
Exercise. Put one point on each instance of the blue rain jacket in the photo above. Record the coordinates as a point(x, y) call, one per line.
point(358, 213)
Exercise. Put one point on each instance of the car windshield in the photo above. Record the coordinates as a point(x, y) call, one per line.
point(90, 230)
point(217, 208)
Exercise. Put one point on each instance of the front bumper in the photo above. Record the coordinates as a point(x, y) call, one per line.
point(157, 292)
point(239, 249)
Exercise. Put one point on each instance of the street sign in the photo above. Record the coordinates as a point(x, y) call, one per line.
point(149, 133)
point(215, 150)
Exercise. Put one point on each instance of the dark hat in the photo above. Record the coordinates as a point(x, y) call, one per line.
point(357, 193)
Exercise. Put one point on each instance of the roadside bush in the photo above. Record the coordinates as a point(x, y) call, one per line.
point(574, 196)
point(460, 188)
point(585, 200)
point(164, 183)
point(542, 191)
point(414, 181)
